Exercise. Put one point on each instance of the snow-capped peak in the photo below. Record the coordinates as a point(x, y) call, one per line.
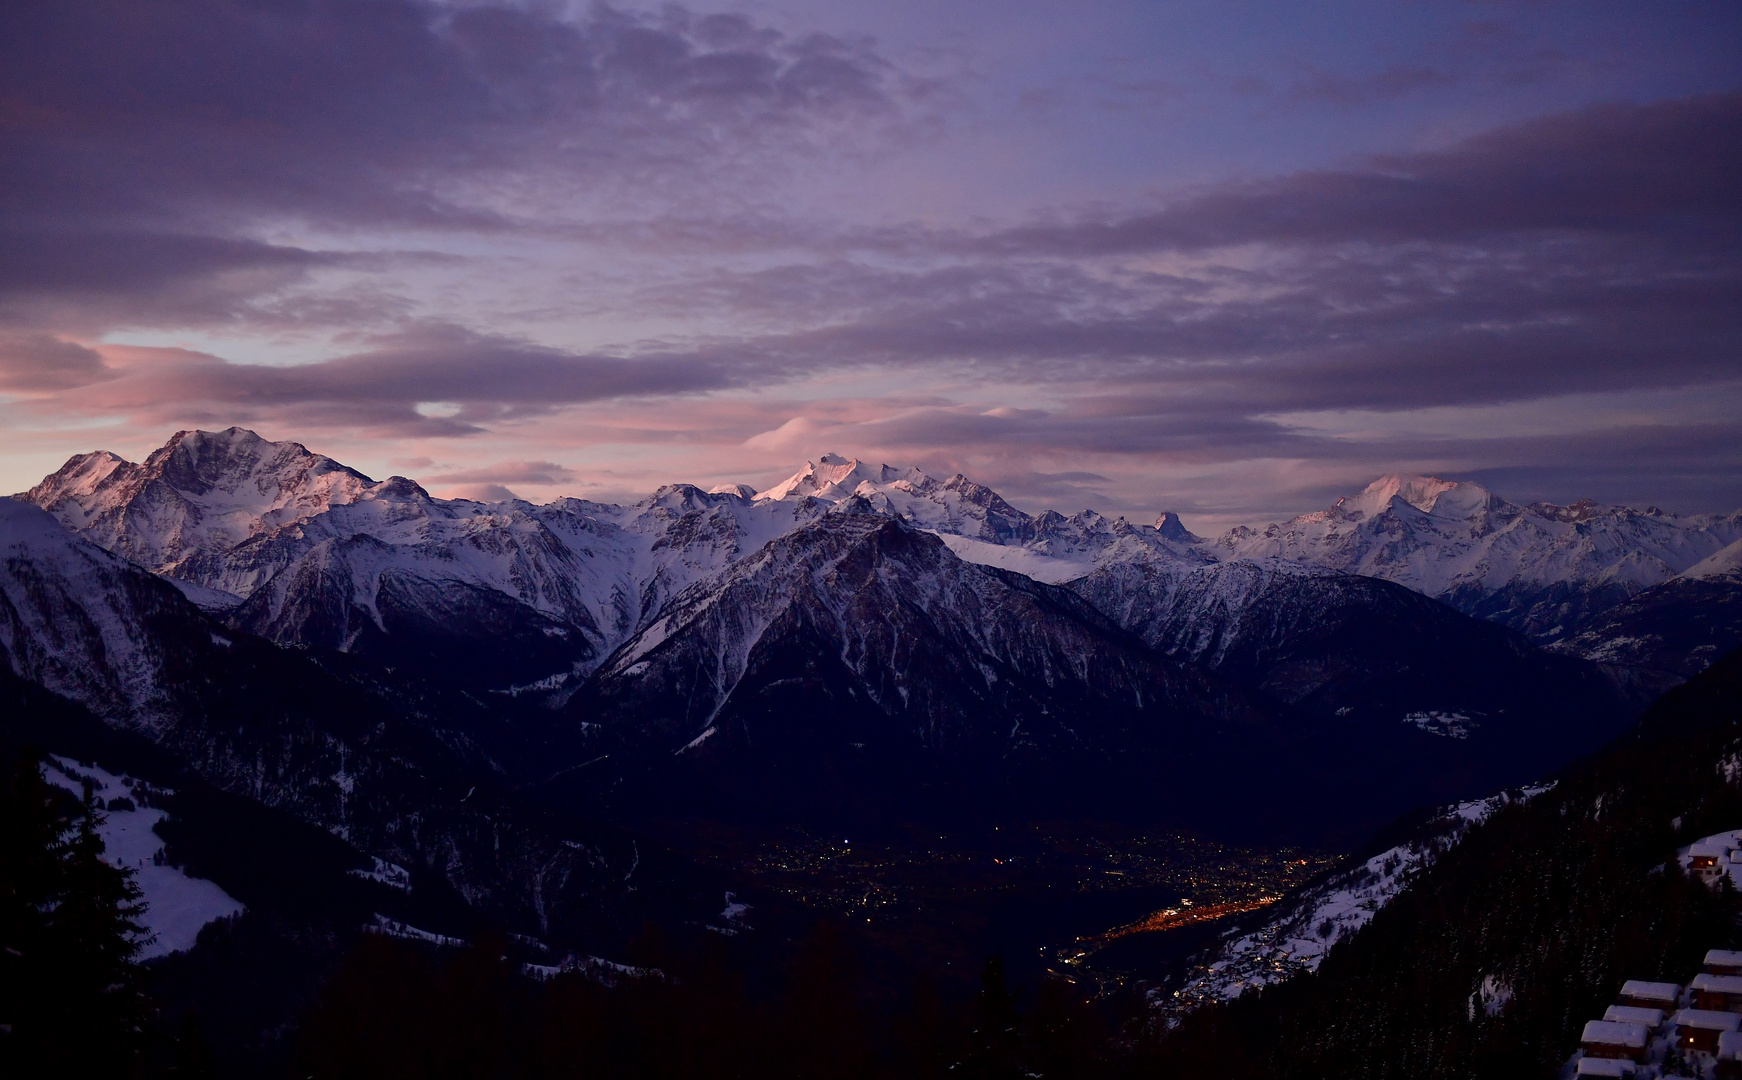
point(1421, 492)
point(200, 491)
point(834, 477)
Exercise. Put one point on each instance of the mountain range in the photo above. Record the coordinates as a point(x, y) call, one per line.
point(490, 693)
point(302, 549)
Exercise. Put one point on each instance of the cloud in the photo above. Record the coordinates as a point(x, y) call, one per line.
point(505, 472)
point(478, 493)
point(479, 378)
point(215, 110)
point(560, 232)
point(42, 363)
point(149, 152)
point(1613, 169)
point(798, 436)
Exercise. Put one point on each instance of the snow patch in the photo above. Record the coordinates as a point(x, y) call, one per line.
point(1451, 725)
point(393, 928)
point(383, 872)
point(607, 973)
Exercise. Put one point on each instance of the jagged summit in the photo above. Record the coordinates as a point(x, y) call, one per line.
point(199, 491)
point(834, 477)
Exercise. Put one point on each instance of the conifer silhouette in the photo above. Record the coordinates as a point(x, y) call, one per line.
point(70, 1001)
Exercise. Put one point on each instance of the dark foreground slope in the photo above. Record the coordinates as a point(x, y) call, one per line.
point(1556, 901)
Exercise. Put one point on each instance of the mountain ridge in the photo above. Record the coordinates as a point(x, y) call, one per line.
point(316, 553)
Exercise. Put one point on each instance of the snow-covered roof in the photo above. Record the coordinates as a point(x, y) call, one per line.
point(1707, 1019)
point(1717, 984)
point(1611, 1033)
point(1651, 991)
point(1634, 1014)
point(1730, 1044)
point(1604, 1067)
point(1716, 851)
point(1724, 958)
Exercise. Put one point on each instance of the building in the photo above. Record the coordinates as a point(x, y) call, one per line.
point(1724, 962)
point(1722, 993)
point(1651, 995)
point(1706, 861)
point(1608, 1039)
point(1699, 1029)
point(1604, 1067)
point(1652, 1019)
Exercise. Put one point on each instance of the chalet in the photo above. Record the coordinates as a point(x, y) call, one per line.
point(1722, 993)
point(1652, 1019)
point(1699, 1029)
point(1604, 1067)
point(1651, 995)
point(1607, 1039)
point(1706, 861)
point(1723, 962)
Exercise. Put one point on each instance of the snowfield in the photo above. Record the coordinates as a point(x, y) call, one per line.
point(177, 906)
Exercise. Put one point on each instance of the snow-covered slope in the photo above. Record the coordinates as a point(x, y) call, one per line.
point(1724, 565)
point(1054, 547)
point(1299, 931)
point(414, 781)
point(177, 906)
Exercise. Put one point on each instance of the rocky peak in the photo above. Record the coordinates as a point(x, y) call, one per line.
point(1172, 528)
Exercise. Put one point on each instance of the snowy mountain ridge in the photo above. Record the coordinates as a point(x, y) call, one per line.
point(1461, 543)
point(302, 549)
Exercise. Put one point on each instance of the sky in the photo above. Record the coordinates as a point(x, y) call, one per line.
point(1226, 259)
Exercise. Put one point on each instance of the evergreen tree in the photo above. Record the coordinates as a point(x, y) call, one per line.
point(70, 1003)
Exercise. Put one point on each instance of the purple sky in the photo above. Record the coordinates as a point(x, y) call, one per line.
point(1223, 258)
